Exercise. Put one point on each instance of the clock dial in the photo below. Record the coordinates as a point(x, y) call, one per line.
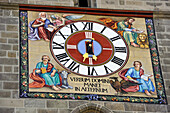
point(89, 49)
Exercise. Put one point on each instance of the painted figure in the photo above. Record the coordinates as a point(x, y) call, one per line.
point(127, 31)
point(46, 71)
point(136, 73)
point(57, 21)
point(40, 28)
point(64, 75)
point(65, 19)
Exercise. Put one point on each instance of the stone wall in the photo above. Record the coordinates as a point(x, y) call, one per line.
point(9, 59)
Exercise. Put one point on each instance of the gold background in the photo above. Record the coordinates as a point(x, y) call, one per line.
point(40, 47)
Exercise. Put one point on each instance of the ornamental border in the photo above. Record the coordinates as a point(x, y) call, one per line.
point(24, 81)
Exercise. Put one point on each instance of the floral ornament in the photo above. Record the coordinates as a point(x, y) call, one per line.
point(24, 94)
point(51, 95)
point(24, 83)
point(92, 97)
point(42, 95)
point(161, 100)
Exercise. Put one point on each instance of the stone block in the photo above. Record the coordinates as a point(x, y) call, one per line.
point(1, 85)
point(47, 110)
point(167, 83)
point(7, 12)
point(3, 40)
point(15, 13)
point(165, 55)
point(11, 103)
point(166, 75)
point(134, 107)
point(160, 21)
point(167, 4)
point(2, 27)
point(57, 104)
point(5, 94)
point(11, 54)
point(16, 69)
point(73, 104)
point(35, 103)
point(15, 47)
point(109, 2)
point(12, 27)
point(153, 4)
point(135, 3)
point(5, 47)
point(160, 28)
point(7, 110)
point(166, 61)
point(168, 93)
point(8, 61)
point(125, 112)
point(1, 68)
point(7, 68)
point(11, 20)
point(122, 2)
point(163, 35)
point(2, 53)
point(168, 49)
point(4, 1)
point(168, 108)
point(155, 108)
point(10, 85)
point(9, 35)
point(166, 68)
point(15, 94)
point(163, 43)
point(9, 77)
point(25, 110)
point(64, 110)
point(1, 12)
point(2, 20)
point(115, 106)
point(13, 41)
point(19, 1)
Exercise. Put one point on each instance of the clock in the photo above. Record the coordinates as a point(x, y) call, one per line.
point(89, 48)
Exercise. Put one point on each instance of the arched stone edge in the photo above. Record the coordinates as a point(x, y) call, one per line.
point(98, 107)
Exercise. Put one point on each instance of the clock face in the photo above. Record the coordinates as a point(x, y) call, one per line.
point(89, 48)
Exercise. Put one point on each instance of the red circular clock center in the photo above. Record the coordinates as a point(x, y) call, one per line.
point(89, 48)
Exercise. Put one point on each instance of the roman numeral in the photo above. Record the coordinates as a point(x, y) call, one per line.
point(115, 38)
point(117, 60)
point(57, 46)
point(88, 34)
point(72, 27)
point(92, 72)
point(120, 49)
point(62, 35)
point(63, 58)
point(71, 47)
point(107, 69)
point(88, 26)
point(73, 66)
point(103, 30)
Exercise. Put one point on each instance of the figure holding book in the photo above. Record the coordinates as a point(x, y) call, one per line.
point(47, 72)
point(136, 74)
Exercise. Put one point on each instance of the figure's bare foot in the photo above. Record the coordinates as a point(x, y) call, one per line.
point(133, 44)
point(47, 40)
point(152, 92)
point(55, 88)
point(59, 87)
point(147, 93)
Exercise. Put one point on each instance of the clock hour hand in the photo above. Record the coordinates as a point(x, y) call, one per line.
point(86, 55)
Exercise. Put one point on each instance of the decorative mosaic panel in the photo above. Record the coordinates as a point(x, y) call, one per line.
point(89, 54)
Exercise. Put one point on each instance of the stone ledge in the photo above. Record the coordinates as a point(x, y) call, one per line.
point(13, 6)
